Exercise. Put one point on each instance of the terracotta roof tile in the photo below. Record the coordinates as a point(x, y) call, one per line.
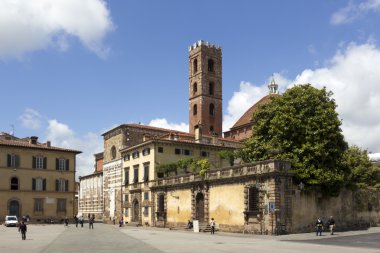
point(25, 144)
point(247, 116)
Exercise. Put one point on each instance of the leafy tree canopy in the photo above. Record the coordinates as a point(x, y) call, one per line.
point(363, 173)
point(301, 126)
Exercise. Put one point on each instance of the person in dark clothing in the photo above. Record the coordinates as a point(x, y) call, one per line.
point(331, 223)
point(66, 220)
point(22, 228)
point(319, 226)
point(212, 225)
point(91, 222)
point(81, 221)
point(76, 220)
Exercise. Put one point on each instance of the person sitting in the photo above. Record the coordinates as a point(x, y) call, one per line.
point(189, 225)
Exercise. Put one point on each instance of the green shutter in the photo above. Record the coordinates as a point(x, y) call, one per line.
point(45, 162)
point(33, 184)
point(67, 185)
point(34, 162)
point(56, 184)
point(17, 161)
point(9, 160)
point(67, 164)
point(44, 185)
point(56, 163)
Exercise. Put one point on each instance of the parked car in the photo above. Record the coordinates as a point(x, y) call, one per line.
point(11, 221)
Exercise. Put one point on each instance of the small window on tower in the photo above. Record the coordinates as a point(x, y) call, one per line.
point(211, 88)
point(210, 65)
point(212, 110)
point(195, 88)
point(211, 129)
point(195, 66)
point(195, 110)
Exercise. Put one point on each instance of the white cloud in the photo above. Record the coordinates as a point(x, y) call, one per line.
point(163, 123)
point(247, 96)
point(61, 135)
point(27, 26)
point(354, 78)
point(352, 11)
point(30, 119)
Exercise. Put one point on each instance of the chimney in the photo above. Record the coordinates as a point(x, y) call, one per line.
point(198, 133)
point(33, 140)
point(48, 144)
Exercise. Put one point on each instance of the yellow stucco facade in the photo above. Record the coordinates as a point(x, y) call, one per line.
point(37, 180)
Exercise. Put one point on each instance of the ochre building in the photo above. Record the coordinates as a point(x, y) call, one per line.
point(37, 179)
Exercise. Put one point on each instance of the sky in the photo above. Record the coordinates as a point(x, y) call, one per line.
point(71, 70)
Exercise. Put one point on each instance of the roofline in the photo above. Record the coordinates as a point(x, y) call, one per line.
point(41, 148)
point(170, 141)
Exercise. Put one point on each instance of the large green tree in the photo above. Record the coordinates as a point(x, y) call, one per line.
point(301, 126)
point(363, 174)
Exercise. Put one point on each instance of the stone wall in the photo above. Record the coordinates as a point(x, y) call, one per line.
point(351, 209)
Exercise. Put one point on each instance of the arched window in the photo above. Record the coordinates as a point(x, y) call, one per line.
point(14, 183)
point(195, 66)
point(195, 110)
point(212, 110)
point(113, 152)
point(211, 88)
point(210, 65)
point(195, 88)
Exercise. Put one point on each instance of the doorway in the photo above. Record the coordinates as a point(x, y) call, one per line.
point(14, 208)
point(135, 211)
point(200, 207)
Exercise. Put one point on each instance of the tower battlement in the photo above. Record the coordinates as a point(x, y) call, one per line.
point(204, 43)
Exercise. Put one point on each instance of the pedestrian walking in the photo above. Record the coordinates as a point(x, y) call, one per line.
point(331, 223)
point(81, 221)
point(91, 222)
point(22, 228)
point(319, 226)
point(66, 220)
point(76, 220)
point(212, 225)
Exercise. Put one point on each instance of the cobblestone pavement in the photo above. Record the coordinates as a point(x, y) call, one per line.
point(110, 238)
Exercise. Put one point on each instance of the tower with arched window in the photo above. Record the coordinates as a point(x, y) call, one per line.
point(205, 88)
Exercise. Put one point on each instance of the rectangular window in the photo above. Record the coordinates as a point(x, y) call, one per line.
point(146, 151)
point(61, 205)
point(205, 154)
point(62, 164)
point(39, 162)
point(126, 213)
point(177, 151)
point(146, 195)
point(135, 154)
point(126, 198)
point(62, 185)
point(146, 172)
point(135, 174)
point(127, 157)
point(161, 202)
point(160, 150)
point(126, 176)
point(253, 199)
point(146, 211)
point(38, 205)
point(13, 161)
point(187, 152)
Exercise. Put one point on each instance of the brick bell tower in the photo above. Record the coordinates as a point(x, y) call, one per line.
point(205, 88)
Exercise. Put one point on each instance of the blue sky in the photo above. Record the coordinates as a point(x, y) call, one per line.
point(70, 70)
